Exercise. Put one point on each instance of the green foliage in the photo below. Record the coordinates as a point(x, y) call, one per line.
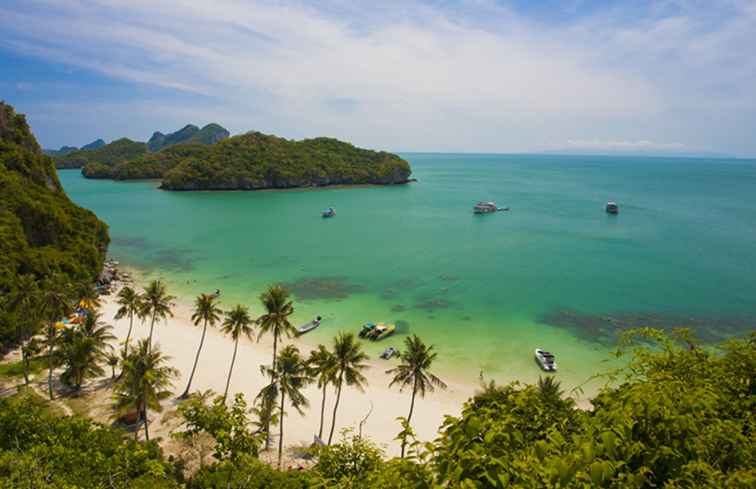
point(40, 450)
point(683, 418)
point(83, 349)
point(348, 463)
point(228, 426)
point(248, 473)
point(118, 151)
point(255, 160)
point(41, 231)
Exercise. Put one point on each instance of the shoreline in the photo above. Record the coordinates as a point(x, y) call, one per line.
point(178, 338)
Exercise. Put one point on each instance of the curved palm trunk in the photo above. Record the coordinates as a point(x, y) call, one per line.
point(50, 335)
point(336, 406)
point(128, 335)
point(196, 359)
point(322, 411)
point(272, 381)
point(233, 359)
point(152, 327)
point(409, 416)
point(280, 429)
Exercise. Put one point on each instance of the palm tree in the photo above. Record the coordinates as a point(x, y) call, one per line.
point(291, 376)
point(56, 304)
point(414, 370)
point(238, 323)
point(83, 349)
point(549, 389)
point(349, 366)
point(130, 303)
point(206, 311)
point(25, 298)
point(156, 303)
point(87, 296)
point(322, 366)
point(145, 382)
point(112, 360)
point(278, 308)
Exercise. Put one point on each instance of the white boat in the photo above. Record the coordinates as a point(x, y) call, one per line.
point(330, 212)
point(546, 360)
point(486, 208)
point(389, 353)
point(307, 327)
point(612, 208)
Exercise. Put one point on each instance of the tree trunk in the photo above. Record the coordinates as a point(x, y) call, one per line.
point(196, 359)
point(272, 380)
point(50, 337)
point(128, 335)
point(152, 326)
point(280, 430)
point(322, 411)
point(144, 415)
point(233, 359)
point(336, 406)
point(409, 417)
point(25, 362)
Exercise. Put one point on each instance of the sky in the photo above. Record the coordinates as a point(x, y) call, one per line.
point(665, 76)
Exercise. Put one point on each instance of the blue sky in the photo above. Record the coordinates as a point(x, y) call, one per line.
point(668, 76)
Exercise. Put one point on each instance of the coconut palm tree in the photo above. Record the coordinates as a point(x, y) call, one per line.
point(549, 389)
point(157, 304)
point(25, 298)
point(130, 305)
point(322, 366)
point(55, 305)
point(349, 366)
point(112, 359)
point(83, 349)
point(278, 308)
point(145, 382)
point(87, 296)
point(291, 376)
point(238, 323)
point(206, 311)
point(414, 371)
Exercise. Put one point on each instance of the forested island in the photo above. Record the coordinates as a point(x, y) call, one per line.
point(250, 161)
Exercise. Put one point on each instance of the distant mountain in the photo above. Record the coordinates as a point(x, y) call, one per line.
point(116, 152)
point(94, 145)
point(64, 150)
point(210, 134)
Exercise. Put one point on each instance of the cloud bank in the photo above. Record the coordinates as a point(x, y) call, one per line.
point(472, 75)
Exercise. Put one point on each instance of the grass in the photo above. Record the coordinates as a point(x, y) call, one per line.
point(79, 405)
point(16, 369)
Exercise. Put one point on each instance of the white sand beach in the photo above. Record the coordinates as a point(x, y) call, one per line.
point(179, 338)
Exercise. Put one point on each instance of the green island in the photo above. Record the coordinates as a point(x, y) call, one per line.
point(678, 414)
point(250, 161)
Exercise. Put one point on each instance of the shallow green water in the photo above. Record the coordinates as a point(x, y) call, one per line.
point(556, 271)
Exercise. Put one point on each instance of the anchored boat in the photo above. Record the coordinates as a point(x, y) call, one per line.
point(612, 208)
point(487, 208)
point(381, 331)
point(330, 212)
point(546, 360)
point(307, 327)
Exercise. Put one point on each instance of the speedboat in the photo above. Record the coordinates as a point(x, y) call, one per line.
point(381, 331)
point(330, 212)
point(389, 353)
point(485, 208)
point(366, 329)
point(546, 360)
point(612, 208)
point(307, 327)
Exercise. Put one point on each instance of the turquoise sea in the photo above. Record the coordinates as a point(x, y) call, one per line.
point(554, 272)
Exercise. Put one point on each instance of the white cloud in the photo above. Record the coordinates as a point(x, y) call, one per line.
point(471, 76)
